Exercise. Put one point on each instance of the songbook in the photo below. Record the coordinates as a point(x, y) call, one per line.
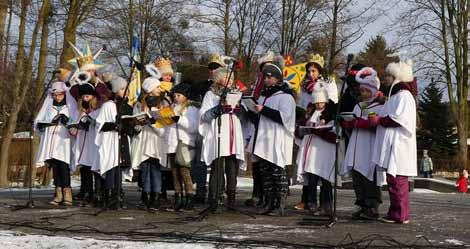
point(139, 117)
point(250, 104)
point(312, 129)
point(348, 116)
point(233, 99)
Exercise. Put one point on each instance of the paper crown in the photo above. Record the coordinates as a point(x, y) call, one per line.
point(164, 65)
point(215, 58)
point(85, 61)
point(316, 58)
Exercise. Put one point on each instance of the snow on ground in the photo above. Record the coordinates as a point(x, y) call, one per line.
point(15, 240)
point(425, 191)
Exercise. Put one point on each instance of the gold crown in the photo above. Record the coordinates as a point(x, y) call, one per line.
point(215, 58)
point(162, 62)
point(84, 60)
point(316, 58)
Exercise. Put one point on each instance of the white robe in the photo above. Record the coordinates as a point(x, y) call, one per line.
point(395, 147)
point(55, 140)
point(149, 143)
point(361, 146)
point(107, 142)
point(187, 126)
point(315, 155)
point(231, 137)
point(274, 142)
point(84, 148)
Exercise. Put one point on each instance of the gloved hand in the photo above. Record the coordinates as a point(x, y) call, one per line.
point(212, 113)
point(138, 128)
point(175, 118)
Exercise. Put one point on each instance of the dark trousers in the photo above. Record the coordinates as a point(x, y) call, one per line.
point(368, 194)
point(151, 176)
point(113, 179)
point(275, 183)
point(199, 171)
point(258, 188)
point(99, 183)
point(326, 194)
point(86, 180)
point(60, 173)
point(229, 165)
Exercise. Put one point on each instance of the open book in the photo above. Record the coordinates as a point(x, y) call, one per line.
point(348, 116)
point(311, 129)
point(142, 116)
point(233, 99)
point(250, 104)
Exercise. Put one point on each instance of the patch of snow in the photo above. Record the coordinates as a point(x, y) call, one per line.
point(455, 242)
point(15, 240)
point(425, 191)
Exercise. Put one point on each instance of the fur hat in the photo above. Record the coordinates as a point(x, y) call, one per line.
point(367, 77)
point(270, 69)
point(267, 57)
point(86, 89)
point(183, 88)
point(215, 61)
point(118, 83)
point(401, 71)
point(58, 87)
point(319, 95)
point(150, 83)
point(164, 66)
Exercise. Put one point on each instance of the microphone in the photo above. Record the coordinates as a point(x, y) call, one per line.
point(350, 58)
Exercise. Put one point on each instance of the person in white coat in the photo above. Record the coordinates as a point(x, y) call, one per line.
point(395, 142)
point(218, 114)
point(84, 148)
point(358, 160)
point(273, 142)
point(187, 121)
point(54, 149)
point(317, 152)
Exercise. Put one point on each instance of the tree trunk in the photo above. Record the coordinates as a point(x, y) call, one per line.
point(70, 32)
point(334, 30)
point(7, 38)
point(11, 123)
point(43, 51)
point(3, 17)
point(227, 41)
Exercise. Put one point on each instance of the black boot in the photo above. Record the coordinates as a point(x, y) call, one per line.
point(231, 200)
point(105, 199)
point(188, 205)
point(178, 202)
point(269, 205)
point(144, 198)
point(154, 203)
point(114, 200)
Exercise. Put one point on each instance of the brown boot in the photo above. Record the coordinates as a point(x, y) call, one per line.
point(58, 198)
point(68, 196)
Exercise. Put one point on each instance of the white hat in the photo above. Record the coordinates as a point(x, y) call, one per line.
point(401, 71)
point(150, 83)
point(367, 77)
point(268, 57)
point(319, 95)
point(58, 87)
point(118, 83)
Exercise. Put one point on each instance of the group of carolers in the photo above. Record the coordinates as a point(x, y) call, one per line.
point(173, 133)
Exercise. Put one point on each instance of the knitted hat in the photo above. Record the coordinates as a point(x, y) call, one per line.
point(164, 66)
point(86, 89)
point(367, 77)
point(183, 88)
point(58, 87)
point(401, 71)
point(319, 95)
point(118, 83)
point(351, 76)
point(150, 83)
point(215, 61)
point(270, 69)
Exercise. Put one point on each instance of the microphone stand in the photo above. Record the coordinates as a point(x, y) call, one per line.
point(30, 202)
